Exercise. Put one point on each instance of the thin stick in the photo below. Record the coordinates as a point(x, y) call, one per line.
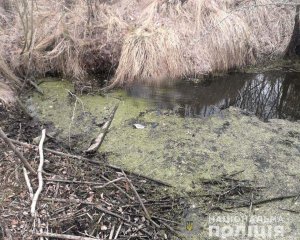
point(97, 206)
point(289, 210)
point(141, 201)
point(40, 176)
point(16, 151)
point(99, 185)
point(111, 182)
point(58, 153)
point(118, 231)
point(120, 189)
point(112, 232)
point(28, 183)
point(259, 202)
point(49, 150)
point(99, 140)
point(37, 88)
point(63, 236)
point(137, 174)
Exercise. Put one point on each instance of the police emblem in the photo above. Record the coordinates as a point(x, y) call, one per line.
point(189, 226)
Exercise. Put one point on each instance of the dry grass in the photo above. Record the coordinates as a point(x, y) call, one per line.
point(66, 39)
point(210, 36)
point(150, 55)
point(152, 41)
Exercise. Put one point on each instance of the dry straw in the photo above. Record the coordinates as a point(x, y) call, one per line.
point(149, 41)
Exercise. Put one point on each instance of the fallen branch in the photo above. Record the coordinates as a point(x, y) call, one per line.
point(290, 210)
point(120, 189)
point(36, 87)
point(58, 153)
point(76, 201)
point(28, 183)
point(112, 232)
point(16, 151)
point(62, 236)
point(99, 140)
point(110, 182)
point(97, 205)
point(99, 185)
point(138, 175)
point(40, 177)
point(141, 202)
point(118, 231)
point(259, 202)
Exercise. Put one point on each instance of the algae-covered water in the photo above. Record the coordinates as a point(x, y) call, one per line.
point(191, 131)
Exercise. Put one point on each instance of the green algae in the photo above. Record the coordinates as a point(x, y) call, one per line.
point(180, 151)
point(169, 147)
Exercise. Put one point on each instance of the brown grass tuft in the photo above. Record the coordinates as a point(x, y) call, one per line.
point(150, 55)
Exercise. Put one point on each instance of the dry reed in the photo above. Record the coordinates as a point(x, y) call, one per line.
point(149, 41)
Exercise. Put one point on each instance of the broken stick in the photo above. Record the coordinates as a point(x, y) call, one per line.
point(16, 151)
point(263, 201)
point(62, 236)
point(40, 177)
point(98, 141)
point(140, 201)
point(84, 159)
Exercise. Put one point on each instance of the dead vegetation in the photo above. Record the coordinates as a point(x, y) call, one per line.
point(84, 200)
point(76, 197)
point(150, 41)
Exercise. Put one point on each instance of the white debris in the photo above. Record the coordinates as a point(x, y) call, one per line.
point(138, 126)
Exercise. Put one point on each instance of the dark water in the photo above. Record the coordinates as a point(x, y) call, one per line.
point(267, 95)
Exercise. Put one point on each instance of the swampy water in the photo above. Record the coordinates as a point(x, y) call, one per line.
point(190, 131)
point(267, 95)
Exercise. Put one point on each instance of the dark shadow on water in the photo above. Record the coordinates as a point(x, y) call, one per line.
point(267, 95)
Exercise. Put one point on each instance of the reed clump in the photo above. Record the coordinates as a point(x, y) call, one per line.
point(149, 41)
